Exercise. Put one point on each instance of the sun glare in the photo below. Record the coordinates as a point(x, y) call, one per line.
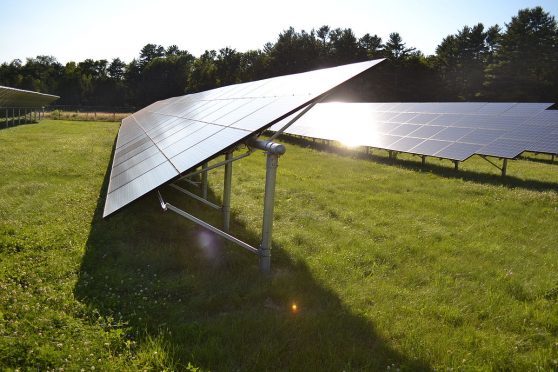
point(345, 123)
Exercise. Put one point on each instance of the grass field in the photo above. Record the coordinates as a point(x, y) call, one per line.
point(391, 266)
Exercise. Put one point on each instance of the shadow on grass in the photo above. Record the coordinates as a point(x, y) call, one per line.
point(547, 160)
point(9, 124)
point(441, 170)
point(207, 302)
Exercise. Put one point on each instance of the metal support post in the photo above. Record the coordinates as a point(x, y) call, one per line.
point(18, 116)
point(204, 181)
point(552, 159)
point(423, 162)
point(456, 164)
point(227, 193)
point(504, 167)
point(272, 162)
point(13, 116)
point(273, 150)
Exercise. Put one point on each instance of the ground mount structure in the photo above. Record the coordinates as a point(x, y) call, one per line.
point(17, 105)
point(172, 141)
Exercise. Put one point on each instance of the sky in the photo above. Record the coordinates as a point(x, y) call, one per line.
point(73, 30)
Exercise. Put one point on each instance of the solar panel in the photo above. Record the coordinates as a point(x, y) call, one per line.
point(495, 108)
point(527, 109)
point(404, 129)
point(405, 144)
point(430, 147)
point(423, 118)
point(504, 148)
point(426, 131)
point(170, 137)
point(452, 134)
point(19, 98)
point(481, 136)
point(548, 144)
point(458, 151)
point(449, 130)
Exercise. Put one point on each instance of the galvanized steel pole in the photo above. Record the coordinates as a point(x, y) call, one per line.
point(273, 151)
point(204, 181)
point(227, 193)
point(272, 163)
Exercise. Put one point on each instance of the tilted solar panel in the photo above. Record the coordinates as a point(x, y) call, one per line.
point(448, 130)
point(170, 137)
point(19, 98)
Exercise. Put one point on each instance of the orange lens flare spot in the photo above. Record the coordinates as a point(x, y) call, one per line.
point(294, 308)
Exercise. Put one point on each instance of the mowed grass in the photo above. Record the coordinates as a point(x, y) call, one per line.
point(391, 266)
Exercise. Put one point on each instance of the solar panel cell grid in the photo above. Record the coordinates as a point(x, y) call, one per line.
point(452, 134)
point(423, 118)
point(504, 148)
point(425, 131)
point(404, 129)
point(430, 147)
point(405, 144)
point(458, 151)
point(527, 109)
point(403, 117)
point(446, 119)
point(481, 136)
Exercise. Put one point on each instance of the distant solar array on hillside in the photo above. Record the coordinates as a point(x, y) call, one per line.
point(453, 131)
point(166, 139)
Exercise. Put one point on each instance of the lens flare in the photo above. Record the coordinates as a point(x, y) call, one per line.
point(210, 245)
point(294, 308)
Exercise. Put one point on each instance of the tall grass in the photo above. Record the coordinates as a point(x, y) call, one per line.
point(391, 265)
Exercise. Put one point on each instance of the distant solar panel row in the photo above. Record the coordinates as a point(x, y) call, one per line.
point(170, 137)
point(18, 98)
point(453, 131)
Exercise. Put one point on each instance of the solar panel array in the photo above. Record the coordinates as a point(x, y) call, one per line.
point(453, 131)
point(170, 137)
point(18, 98)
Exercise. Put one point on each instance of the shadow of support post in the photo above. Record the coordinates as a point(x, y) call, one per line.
point(206, 300)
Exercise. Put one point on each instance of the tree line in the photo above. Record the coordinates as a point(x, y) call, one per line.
point(516, 63)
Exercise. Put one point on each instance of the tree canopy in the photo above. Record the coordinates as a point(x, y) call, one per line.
point(516, 63)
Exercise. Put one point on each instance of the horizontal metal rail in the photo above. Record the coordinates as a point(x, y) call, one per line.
point(194, 196)
point(217, 165)
point(168, 206)
point(193, 183)
point(291, 122)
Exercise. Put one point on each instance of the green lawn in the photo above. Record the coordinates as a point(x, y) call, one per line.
point(391, 266)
